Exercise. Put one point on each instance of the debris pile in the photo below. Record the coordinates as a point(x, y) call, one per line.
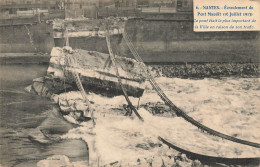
point(118, 140)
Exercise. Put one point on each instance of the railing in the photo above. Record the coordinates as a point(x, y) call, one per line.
point(26, 6)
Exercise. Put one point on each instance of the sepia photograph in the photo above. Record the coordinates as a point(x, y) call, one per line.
point(129, 83)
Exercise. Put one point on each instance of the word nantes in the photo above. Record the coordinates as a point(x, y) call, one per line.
point(210, 13)
point(211, 7)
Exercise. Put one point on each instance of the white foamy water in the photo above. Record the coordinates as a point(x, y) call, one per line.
point(229, 105)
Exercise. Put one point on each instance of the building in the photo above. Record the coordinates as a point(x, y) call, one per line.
point(26, 4)
point(90, 8)
point(19, 12)
point(18, 8)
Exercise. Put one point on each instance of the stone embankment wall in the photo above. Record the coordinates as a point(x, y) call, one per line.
point(156, 41)
point(175, 41)
point(26, 38)
point(39, 38)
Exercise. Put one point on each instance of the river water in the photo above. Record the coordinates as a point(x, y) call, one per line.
point(228, 105)
point(23, 115)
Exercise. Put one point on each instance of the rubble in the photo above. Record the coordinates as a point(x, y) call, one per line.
point(55, 160)
point(158, 109)
point(46, 87)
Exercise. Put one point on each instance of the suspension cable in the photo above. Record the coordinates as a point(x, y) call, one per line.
point(112, 57)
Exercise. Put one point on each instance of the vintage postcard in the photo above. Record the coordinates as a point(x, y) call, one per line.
point(156, 83)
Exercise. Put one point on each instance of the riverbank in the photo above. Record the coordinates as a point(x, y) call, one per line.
point(172, 70)
point(207, 70)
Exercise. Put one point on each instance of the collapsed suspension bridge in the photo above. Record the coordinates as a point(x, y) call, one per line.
point(168, 102)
